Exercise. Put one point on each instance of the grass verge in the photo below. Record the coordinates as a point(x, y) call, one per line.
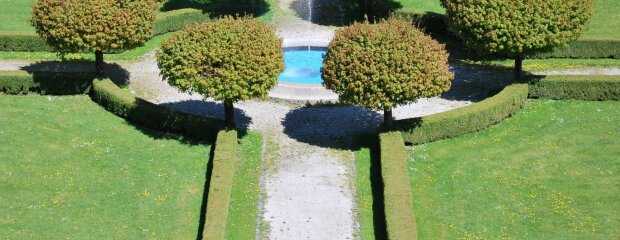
point(243, 211)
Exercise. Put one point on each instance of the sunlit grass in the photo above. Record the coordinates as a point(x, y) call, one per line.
point(70, 169)
point(550, 172)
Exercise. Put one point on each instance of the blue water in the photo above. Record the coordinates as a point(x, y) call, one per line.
point(302, 66)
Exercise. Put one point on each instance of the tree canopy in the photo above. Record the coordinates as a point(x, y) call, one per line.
point(383, 65)
point(94, 25)
point(230, 59)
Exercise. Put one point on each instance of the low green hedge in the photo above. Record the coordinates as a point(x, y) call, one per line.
point(429, 21)
point(471, 118)
point(585, 49)
point(23, 42)
point(124, 104)
point(22, 82)
point(220, 188)
point(397, 194)
point(175, 20)
point(587, 87)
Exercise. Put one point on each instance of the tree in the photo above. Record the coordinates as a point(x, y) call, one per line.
point(94, 25)
point(516, 28)
point(230, 59)
point(381, 66)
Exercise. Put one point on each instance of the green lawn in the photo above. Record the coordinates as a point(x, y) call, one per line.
point(550, 172)
point(15, 15)
point(70, 169)
point(243, 210)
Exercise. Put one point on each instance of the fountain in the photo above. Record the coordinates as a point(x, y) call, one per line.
point(303, 63)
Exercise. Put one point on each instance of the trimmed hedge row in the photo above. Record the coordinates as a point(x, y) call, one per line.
point(397, 194)
point(430, 22)
point(471, 118)
point(585, 49)
point(166, 22)
point(222, 178)
point(23, 42)
point(587, 87)
point(22, 82)
point(126, 105)
point(176, 20)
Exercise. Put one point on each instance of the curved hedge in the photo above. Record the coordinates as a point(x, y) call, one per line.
point(22, 82)
point(471, 118)
point(176, 20)
point(586, 87)
point(166, 22)
point(126, 105)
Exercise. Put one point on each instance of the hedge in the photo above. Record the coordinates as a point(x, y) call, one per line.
point(429, 21)
point(23, 42)
point(585, 49)
point(224, 164)
point(176, 20)
point(166, 22)
point(22, 82)
point(124, 104)
point(587, 87)
point(471, 118)
point(397, 195)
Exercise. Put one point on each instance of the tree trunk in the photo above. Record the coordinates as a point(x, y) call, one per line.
point(229, 114)
point(518, 68)
point(388, 119)
point(99, 63)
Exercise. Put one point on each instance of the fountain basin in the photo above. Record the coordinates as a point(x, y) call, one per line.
point(302, 65)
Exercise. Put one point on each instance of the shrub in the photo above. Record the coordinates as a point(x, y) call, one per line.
point(381, 66)
point(397, 194)
point(471, 118)
point(173, 21)
point(126, 105)
point(22, 82)
point(22, 42)
point(222, 179)
point(94, 25)
point(589, 87)
point(517, 28)
point(230, 59)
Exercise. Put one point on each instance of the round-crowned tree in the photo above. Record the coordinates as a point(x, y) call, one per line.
point(230, 59)
point(98, 26)
point(516, 28)
point(380, 66)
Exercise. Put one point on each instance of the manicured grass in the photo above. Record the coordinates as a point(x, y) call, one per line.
point(243, 210)
point(550, 172)
point(15, 15)
point(133, 54)
point(70, 169)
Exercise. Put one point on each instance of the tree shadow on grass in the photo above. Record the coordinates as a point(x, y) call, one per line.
point(217, 8)
point(476, 82)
